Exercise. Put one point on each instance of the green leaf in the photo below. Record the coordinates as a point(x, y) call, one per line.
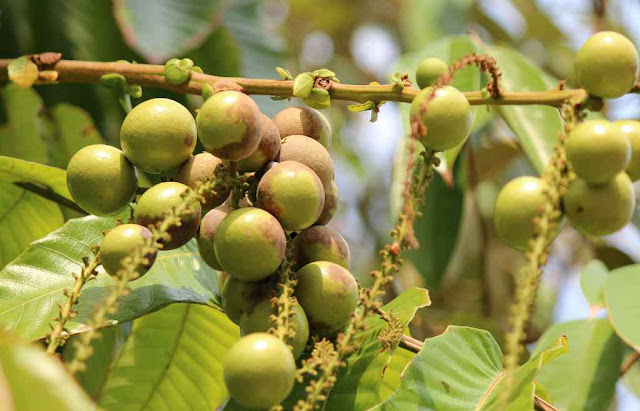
point(584, 378)
point(631, 378)
point(73, 129)
point(318, 99)
point(172, 360)
point(13, 170)
point(20, 138)
point(356, 108)
point(32, 380)
point(392, 376)
point(302, 85)
point(23, 72)
point(592, 280)
point(178, 71)
point(105, 348)
point(168, 28)
point(32, 285)
point(536, 127)
point(360, 385)
point(461, 369)
point(28, 212)
point(284, 73)
point(623, 305)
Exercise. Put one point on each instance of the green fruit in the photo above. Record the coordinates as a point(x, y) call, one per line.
point(320, 243)
point(259, 371)
point(518, 203)
point(598, 150)
point(206, 234)
point(267, 150)
point(119, 243)
point(330, 203)
point(293, 193)
point(448, 117)
point(258, 319)
point(101, 179)
point(607, 65)
point(158, 135)
point(312, 154)
point(328, 293)
point(154, 204)
point(249, 244)
point(304, 121)
point(230, 125)
point(200, 168)
point(238, 296)
point(600, 209)
point(631, 130)
point(429, 70)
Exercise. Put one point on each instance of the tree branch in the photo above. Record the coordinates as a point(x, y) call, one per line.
point(151, 75)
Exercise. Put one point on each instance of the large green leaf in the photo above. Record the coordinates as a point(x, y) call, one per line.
point(21, 136)
point(172, 361)
point(392, 377)
point(359, 387)
point(13, 170)
point(592, 280)
point(536, 127)
point(168, 28)
point(623, 305)
point(32, 285)
point(461, 369)
point(31, 380)
point(105, 349)
point(24, 215)
point(584, 378)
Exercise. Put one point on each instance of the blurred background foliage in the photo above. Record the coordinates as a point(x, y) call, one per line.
point(467, 270)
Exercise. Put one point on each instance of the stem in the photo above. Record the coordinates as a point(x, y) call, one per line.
point(629, 363)
point(415, 346)
point(71, 71)
point(57, 336)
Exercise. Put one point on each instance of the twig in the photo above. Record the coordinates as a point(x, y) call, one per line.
point(72, 71)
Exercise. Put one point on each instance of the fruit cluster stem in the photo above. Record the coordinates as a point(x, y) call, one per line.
point(151, 75)
point(58, 334)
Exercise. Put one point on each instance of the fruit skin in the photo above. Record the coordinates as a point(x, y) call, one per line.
point(101, 179)
point(258, 319)
point(249, 244)
point(600, 209)
point(429, 70)
point(312, 154)
point(448, 118)
point(304, 121)
point(331, 196)
point(200, 168)
point(230, 125)
point(607, 65)
point(328, 293)
point(292, 193)
point(206, 234)
point(119, 243)
point(259, 371)
point(518, 203)
point(158, 135)
point(631, 130)
point(155, 202)
point(319, 243)
point(598, 150)
point(267, 150)
point(238, 296)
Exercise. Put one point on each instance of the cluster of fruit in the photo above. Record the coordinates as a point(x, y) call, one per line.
point(604, 155)
point(296, 196)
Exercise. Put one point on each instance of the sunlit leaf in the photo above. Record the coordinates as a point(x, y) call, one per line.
point(23, 72)
point(623, 304)
point(592, 280)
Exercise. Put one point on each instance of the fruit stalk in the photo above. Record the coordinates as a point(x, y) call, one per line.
point(72, 71)
point(285, 301)
point(129, 271)
point(58, 334)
